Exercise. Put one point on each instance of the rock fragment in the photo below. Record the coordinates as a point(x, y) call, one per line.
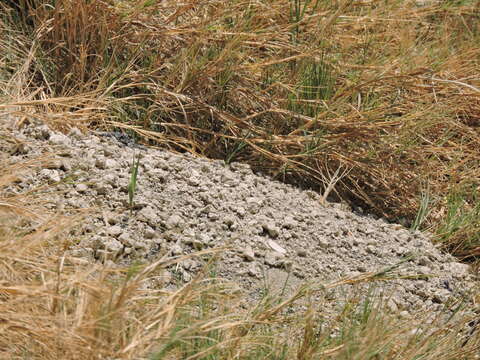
point(81, 188)
point(248, 253)
point(59, 139)
point(115, 230)
point(274, 246)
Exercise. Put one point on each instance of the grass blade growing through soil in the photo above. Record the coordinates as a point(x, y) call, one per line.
point(132, 186)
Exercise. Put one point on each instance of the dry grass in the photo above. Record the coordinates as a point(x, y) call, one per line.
point(385, 91)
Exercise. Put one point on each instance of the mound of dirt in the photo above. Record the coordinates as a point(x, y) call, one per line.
point(277, 236)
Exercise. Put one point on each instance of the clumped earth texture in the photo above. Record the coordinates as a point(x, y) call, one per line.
point(276, 237)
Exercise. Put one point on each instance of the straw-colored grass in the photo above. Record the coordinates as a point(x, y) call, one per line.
point(388, 90)
point(373, 102)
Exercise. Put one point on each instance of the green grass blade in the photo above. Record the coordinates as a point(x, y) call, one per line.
point(132, 186)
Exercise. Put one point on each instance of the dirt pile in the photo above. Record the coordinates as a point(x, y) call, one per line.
point(276, 234)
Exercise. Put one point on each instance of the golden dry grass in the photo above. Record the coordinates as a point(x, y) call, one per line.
point(386, 90)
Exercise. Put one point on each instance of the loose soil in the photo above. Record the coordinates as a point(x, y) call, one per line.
point(277, 237)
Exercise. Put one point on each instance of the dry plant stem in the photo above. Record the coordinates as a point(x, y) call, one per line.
point(331, 181)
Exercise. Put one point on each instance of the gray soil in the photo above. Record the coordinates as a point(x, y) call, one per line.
point(277, 235)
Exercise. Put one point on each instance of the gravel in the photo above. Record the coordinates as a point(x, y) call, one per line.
point(275, 234)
